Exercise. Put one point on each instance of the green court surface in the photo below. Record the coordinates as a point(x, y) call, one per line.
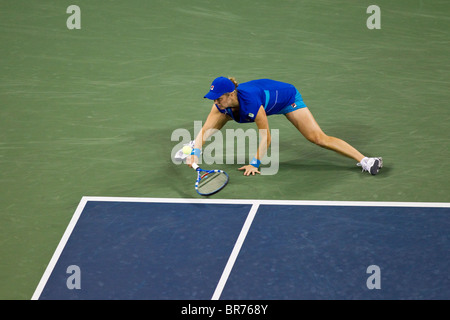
point(91, 112)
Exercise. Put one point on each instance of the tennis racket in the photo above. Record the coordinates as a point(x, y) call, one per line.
point(209, 181)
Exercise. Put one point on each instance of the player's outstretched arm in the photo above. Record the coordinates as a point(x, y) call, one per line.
point(265, 139)
point(214, 122)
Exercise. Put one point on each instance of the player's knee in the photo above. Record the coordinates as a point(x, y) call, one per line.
point(319, 139)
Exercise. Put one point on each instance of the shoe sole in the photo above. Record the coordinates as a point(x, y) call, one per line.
point(375, 168)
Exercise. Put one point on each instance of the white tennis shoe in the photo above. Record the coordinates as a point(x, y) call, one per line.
point(372, 165)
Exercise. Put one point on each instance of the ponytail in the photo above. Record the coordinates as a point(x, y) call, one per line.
point(234, 81)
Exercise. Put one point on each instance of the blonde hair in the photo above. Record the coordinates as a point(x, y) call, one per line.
point(234, 81)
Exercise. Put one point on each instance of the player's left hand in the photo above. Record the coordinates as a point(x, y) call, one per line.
point(249, 170)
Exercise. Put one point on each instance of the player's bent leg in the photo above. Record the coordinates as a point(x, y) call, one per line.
point(304, 121)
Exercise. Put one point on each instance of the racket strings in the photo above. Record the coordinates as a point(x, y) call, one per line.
point(212, 182)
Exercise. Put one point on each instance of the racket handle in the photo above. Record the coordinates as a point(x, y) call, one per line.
point(194, 166)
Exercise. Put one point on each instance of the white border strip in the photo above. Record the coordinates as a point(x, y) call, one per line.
point(275, 202)
point(237, 248)
point(255, 203)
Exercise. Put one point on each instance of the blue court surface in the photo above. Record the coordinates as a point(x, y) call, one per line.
point(203, 249)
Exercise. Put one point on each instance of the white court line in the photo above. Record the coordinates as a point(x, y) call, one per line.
point(235, 252)
point(274, 202)
point(59, 249)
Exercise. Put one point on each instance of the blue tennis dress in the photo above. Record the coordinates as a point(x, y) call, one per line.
point(276, 97)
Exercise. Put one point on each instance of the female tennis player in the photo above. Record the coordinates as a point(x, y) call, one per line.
point(254, 101)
